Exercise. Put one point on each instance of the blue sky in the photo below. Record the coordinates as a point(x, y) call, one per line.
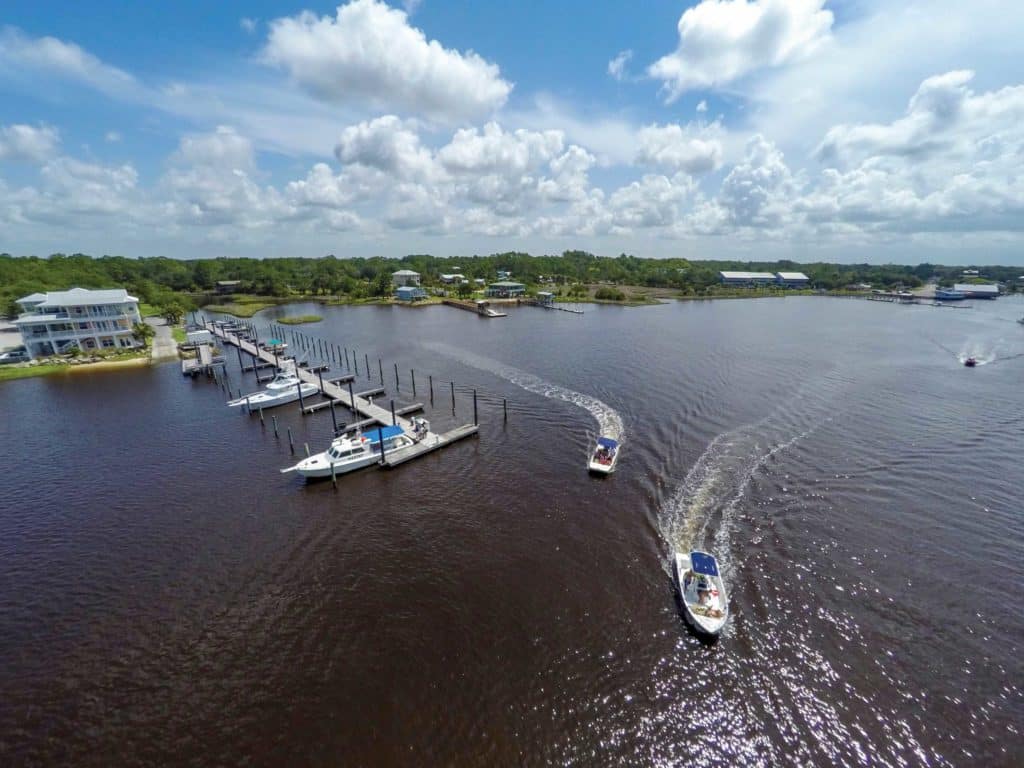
point(800, 129)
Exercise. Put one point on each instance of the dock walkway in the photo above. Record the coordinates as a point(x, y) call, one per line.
point(371, 412)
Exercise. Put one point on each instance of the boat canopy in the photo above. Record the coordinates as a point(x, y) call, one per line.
point(274, 342)
point(703, 564)
point(387, 432)
point(607, 442)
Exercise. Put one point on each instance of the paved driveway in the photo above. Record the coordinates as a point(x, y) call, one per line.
point(164, 345)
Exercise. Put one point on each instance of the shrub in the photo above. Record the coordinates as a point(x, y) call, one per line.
point(606, 293)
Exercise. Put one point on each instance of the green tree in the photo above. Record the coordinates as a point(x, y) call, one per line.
point(143, 332)
point(173, 313)
point(464, 290)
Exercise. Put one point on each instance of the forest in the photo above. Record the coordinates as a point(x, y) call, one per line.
point(162, 282)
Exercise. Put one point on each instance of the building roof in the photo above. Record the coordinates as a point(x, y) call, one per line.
point(453, 274)
point(980, 288)
point(408, 289)
point(405, 273)
point(747, 275)
point(229, 282)
point(33, 297)
point(78, 296)
point(507, 284)
point(793, 276)
point(545, 293)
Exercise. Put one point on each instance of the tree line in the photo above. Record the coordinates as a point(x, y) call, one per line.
point(165, 282)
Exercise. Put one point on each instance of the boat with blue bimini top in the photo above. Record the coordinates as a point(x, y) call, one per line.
point(605, 456)
point(702, 590)
point(948, 294)
point(347, 454)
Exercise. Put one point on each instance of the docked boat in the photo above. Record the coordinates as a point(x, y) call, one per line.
point(948, 294)
point(273, 344)
point(347, 454)
point(703, 591)
point(605, 456)
point(970, 362)
point(283, 388)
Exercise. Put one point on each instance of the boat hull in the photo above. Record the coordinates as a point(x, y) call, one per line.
point(702, 620)
point(273, 399)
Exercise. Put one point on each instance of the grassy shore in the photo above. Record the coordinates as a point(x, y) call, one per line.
point(178, 333)
point(24, 371)
point(299, 319)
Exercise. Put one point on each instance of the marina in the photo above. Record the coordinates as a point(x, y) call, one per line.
point(308, 384)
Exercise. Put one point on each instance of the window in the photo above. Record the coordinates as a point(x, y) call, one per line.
point(108, 342)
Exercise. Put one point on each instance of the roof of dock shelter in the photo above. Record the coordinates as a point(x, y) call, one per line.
point(793, 276)
point(976, 288)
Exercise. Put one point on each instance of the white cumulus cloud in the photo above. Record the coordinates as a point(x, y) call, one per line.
point(369, 53)
point(723, 40)
point(26, 142)
point(693, 149)
point(617, 66)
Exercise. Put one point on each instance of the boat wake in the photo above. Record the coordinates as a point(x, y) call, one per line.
point(701, 510)
point(608, 419)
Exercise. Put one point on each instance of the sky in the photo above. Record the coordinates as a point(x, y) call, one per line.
point(855, 130)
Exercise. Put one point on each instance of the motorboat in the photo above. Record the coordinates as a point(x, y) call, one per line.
point(605, 456)
point(1021, 321)
point(702, 590)
point(948, 294)
point(273, 344)
point(347, 454)
point(970, 362)
point(283, 388)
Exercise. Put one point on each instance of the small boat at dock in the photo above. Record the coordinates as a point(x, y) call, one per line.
point(347, 454)
point(970, 362)
point(605, 456)
point(702, 590)
point(283, 388)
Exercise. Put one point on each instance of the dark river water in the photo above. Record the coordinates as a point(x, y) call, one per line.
point(167, 597)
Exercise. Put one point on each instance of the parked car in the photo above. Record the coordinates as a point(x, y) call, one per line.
point(19, 355)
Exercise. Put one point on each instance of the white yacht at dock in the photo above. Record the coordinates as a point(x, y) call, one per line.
point(347, 454)
point(284, 388)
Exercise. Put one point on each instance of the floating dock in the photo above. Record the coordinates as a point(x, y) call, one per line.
point(476, 307)
point(361, 405)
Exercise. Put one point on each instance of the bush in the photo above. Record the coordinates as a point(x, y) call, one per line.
point(609, 294)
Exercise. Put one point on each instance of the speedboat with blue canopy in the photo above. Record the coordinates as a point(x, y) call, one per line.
point(605, 456)
point(703, 591)
point(349, 453)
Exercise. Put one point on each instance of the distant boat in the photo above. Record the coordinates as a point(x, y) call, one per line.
point(605, 456)
point(970, 362)
point(948, 294)
point(1021, 321)
point(283, 388)
point(347, 454)
point(703, 591)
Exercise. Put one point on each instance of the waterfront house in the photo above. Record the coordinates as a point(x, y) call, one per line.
point(746, 278)
point(505, 289)
point(410, 293)
point(792, 279)
point(405, 277)
point(453, 279)
point(58, 321)
point(504, 274)
point(546, 298)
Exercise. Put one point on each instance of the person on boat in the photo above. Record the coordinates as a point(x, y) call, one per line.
point(703, 592)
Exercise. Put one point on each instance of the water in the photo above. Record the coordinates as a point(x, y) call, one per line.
point(166, 596)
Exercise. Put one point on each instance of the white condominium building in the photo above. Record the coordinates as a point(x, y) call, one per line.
point(56, 322)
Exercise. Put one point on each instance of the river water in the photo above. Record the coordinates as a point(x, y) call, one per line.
point(168, 597)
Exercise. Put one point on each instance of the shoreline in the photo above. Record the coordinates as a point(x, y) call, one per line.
point(15, 372)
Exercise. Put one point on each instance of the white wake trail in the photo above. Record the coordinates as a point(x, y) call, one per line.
point(608, 419)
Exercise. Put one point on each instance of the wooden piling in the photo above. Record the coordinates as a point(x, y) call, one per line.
point(396, 378)
point(430, 379)
point(475, 421)
point(380, 370)
point(261, 418)
point(348, 367)
point(321, 375)
point(352, 398)
point(275, 426)
point(248, 408)
point(366, 357)
point(334, 418)
point(380, 437)
point(394, 419)
point(355, 361)
point(504, 407)
point(307, 449)
point(291, 445)
point(412, 375)
point(302, 405)
point(334, 477)
point(453, 396)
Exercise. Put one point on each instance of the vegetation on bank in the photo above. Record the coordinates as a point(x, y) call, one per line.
point(76, 362)
point(178, 333)
point(299, 319)
point(171, 287)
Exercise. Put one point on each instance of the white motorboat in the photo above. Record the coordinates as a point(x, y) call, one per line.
point(283, 388)
point(348, 454)
point(703, 591)
point(605, 456)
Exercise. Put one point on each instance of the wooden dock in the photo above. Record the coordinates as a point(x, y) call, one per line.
point(370, 411)
point(476, 309)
